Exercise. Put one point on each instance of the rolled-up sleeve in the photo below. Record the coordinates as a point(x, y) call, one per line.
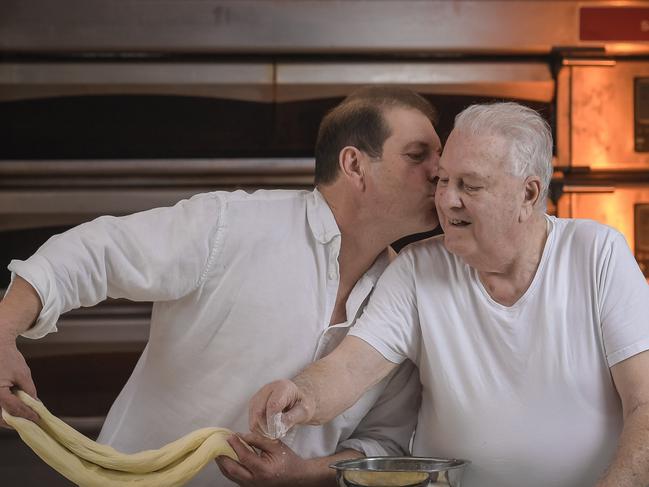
point(388, 427)
point(154, 255)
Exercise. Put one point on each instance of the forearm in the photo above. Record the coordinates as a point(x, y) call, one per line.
point(630, 467)
point(322, 401)
point(19, 309)
point(324, 390)
point(333, 384)
point(319, 474)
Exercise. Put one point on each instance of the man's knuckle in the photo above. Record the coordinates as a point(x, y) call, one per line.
point(273, 403)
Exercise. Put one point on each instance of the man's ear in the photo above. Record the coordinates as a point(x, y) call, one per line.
point(531, 197)
point(351, 167)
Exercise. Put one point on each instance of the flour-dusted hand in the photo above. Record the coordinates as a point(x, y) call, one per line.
point(282, 396)
point(276, 465)
point(14, 372)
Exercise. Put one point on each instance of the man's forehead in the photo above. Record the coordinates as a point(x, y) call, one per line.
point(479, 142)
point(411, 126)
point(467, 169)
point(399, 113)
point(475, 152)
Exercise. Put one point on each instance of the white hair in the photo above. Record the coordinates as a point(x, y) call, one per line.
point(528, 135)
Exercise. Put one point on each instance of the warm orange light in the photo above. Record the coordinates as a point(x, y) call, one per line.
point(611, 208)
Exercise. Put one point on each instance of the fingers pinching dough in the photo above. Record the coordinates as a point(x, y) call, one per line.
point(89, 464)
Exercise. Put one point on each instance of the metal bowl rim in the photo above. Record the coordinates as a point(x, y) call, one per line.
point(456, 463)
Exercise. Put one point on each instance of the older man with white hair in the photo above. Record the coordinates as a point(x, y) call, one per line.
point(530, 332)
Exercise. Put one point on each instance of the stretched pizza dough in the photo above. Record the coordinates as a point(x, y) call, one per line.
point(89, 464)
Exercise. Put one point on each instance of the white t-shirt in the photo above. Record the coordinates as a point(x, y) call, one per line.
point(244, 287)
point(525, 391)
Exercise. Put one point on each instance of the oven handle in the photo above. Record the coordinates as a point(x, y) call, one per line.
point(246, 81)
point(275, 82)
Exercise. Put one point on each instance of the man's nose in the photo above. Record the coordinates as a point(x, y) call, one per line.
point(432, 169)
point(448, 197)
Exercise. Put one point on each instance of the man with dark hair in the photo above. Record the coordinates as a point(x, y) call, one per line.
point(248, 288)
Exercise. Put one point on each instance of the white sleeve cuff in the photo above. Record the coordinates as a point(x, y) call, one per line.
point(628, 352)
point(378, 344)
point(36, 271)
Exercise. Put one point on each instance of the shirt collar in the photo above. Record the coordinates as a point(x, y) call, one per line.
point(364, 287)
point(321, 218)
point(376, 269)
point(324, 228)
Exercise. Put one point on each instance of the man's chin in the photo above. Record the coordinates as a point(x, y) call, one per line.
point(453, 245)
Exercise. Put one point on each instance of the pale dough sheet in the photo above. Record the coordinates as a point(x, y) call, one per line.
point(89, 464)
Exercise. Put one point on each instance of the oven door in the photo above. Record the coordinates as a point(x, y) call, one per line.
point(603, 114)
point(622, 205)
point(603, 144)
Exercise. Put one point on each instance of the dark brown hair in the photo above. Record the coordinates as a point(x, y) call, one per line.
point(358, 121)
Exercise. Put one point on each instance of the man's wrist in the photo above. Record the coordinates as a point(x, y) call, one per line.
point(317, 473)
point(19, 309)
point(8, 333)
point(9, 327)
point(305, 392)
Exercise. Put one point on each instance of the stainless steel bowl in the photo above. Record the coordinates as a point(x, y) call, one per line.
point(400, 472)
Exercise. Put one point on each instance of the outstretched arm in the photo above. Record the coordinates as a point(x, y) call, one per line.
point(323, 390)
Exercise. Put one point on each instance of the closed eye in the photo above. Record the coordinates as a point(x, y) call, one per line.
point(416, 156)
point(470, 188)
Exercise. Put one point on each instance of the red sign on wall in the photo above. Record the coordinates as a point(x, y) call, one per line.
point(614, 24)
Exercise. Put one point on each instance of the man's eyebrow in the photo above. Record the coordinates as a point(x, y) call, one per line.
point(419, 144)
point(468, 174)
point(473, 174)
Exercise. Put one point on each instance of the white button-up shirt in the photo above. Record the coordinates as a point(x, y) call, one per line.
point(244, 286)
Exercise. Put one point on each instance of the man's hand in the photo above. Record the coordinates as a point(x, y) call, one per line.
point(18, 310)
point(282, 396)
point(276, 465)
point(14, 372)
